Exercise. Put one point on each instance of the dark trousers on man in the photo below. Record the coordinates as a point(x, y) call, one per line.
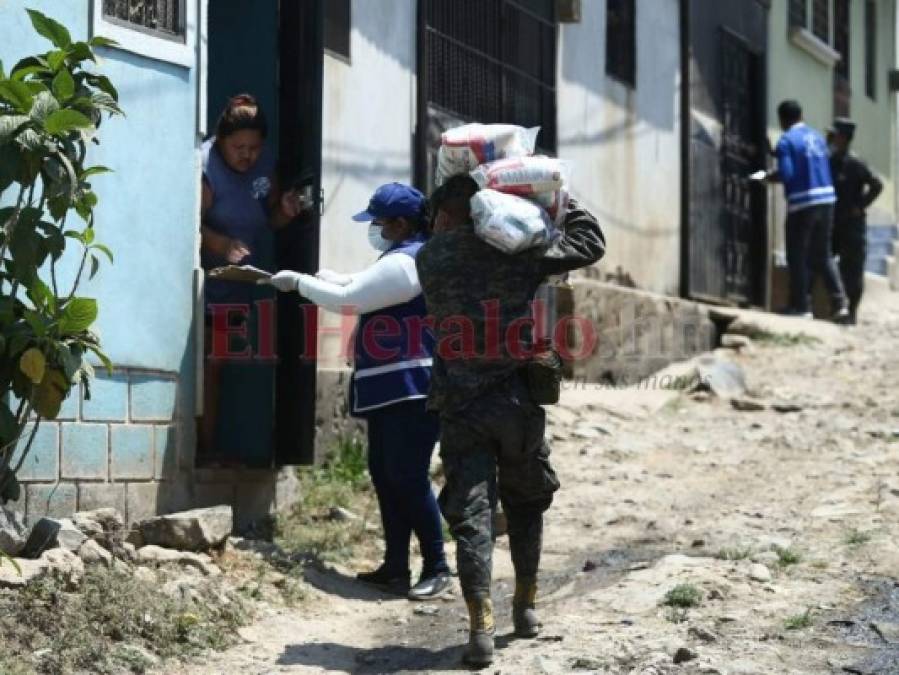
point(401, 439)
point(496, 446)
point(809, 253)
point(850, 244)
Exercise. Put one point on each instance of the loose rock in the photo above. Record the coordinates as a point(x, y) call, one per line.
point(342, 515)
point(195, 530)
point(758, 572)
point(12, 532)
point(93, 554)
point(684, 654)
point(69, 536)
point(157, 555)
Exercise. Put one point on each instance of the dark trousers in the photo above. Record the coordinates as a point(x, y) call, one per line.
point(401, 438)
point(809, 253)
point(850, 244)
point(495, 445)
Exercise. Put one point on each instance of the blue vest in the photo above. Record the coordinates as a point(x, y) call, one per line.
point(393, 350)
point(239, 210)
point(804, 165)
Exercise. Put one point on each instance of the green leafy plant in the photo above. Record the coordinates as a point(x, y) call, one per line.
point(787, 556)
point(51, 107)
point(799, 621)
point(683, 596)
point(858, 538)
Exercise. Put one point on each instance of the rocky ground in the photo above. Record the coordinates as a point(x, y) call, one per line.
point(692, 534)
point(748, 531)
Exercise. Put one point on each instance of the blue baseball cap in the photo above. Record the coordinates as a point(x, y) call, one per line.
point(393, 200)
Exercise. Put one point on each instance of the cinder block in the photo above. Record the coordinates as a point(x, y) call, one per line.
point(70, 405)
point(166, 452)
point(85, 451)
point(101, 495)
point(56, 500)
point(142, 501)
point(108, 401)
point(175, 495)
point(42, 462)
point(186, 435)
point(152, 398)
point(131, 451)
point(287, 489)
point(254, 501)
point(213, 495)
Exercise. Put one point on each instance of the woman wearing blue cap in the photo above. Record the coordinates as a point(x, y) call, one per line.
point(392, 374)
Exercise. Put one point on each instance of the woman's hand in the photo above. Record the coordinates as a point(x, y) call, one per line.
point(292, 204)
point(236, 251)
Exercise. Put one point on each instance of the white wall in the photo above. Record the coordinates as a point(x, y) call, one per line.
point(369, 117)
point(625, 143)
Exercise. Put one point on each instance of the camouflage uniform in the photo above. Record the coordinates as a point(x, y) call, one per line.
point(487, 417)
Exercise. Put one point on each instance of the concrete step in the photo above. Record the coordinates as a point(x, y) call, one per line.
point(881, 241)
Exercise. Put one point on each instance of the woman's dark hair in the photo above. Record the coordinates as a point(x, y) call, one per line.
point(242, 113)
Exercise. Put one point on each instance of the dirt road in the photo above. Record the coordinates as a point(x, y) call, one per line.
point(783, 518)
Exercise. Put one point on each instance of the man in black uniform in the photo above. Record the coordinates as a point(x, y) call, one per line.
point(857, 188)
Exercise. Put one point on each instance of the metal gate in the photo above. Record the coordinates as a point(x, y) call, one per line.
point(486, 61)
point(727, 211)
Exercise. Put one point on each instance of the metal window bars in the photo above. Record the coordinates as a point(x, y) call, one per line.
point(162, 17)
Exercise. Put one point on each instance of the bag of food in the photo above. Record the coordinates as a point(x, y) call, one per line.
point(555, 203)
point(522, 176)
point(464, 148)
point(509, 223)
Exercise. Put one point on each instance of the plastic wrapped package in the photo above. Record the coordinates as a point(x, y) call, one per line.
point(555, 203)
point(508, 222)
point(464, 148)
point(522, 176)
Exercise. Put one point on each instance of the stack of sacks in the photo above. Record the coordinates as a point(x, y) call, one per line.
point(465, 148)
point(522, 197)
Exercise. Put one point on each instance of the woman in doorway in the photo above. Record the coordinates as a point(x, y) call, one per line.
point(240, 204)
point(390, 383)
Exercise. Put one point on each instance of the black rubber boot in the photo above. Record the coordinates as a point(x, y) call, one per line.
point(482, 630)
point(524, 603)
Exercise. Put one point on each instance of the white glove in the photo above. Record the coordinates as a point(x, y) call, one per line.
point(285, 280)
point(335, 278)
point(758, 175)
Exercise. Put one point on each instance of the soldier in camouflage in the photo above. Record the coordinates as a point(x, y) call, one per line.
point(480, 300)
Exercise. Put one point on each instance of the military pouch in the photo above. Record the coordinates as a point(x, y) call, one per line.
point(544, 376)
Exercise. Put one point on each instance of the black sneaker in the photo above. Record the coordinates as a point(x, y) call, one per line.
point(396, 583)
point(431, 587)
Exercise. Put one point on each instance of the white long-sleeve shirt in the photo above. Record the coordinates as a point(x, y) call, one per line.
point(390, 281)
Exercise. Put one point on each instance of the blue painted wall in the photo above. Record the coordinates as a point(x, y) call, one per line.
point(148, 207)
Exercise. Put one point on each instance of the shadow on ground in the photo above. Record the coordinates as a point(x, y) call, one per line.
point(330, 656)
point(332, 582)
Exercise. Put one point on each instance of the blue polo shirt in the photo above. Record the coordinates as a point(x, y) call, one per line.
point(804, 166)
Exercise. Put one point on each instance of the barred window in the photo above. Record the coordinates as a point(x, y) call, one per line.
point(841, 36)
point(871, 48)
point(621, 40)
point(338, 26)
point(821, 20)
point(162, 18)
point(798, 14)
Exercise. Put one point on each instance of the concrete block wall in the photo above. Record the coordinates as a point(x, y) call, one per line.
point(103, 448)
point(126, 447)
point(637, 333)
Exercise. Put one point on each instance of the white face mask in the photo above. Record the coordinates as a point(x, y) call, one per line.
point(376, 240)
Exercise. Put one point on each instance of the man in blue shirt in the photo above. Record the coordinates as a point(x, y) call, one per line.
point(803, 166)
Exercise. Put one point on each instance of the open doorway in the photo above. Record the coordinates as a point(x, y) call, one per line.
point(263, 410)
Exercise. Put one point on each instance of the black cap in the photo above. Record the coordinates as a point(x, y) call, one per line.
point(844, 126)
